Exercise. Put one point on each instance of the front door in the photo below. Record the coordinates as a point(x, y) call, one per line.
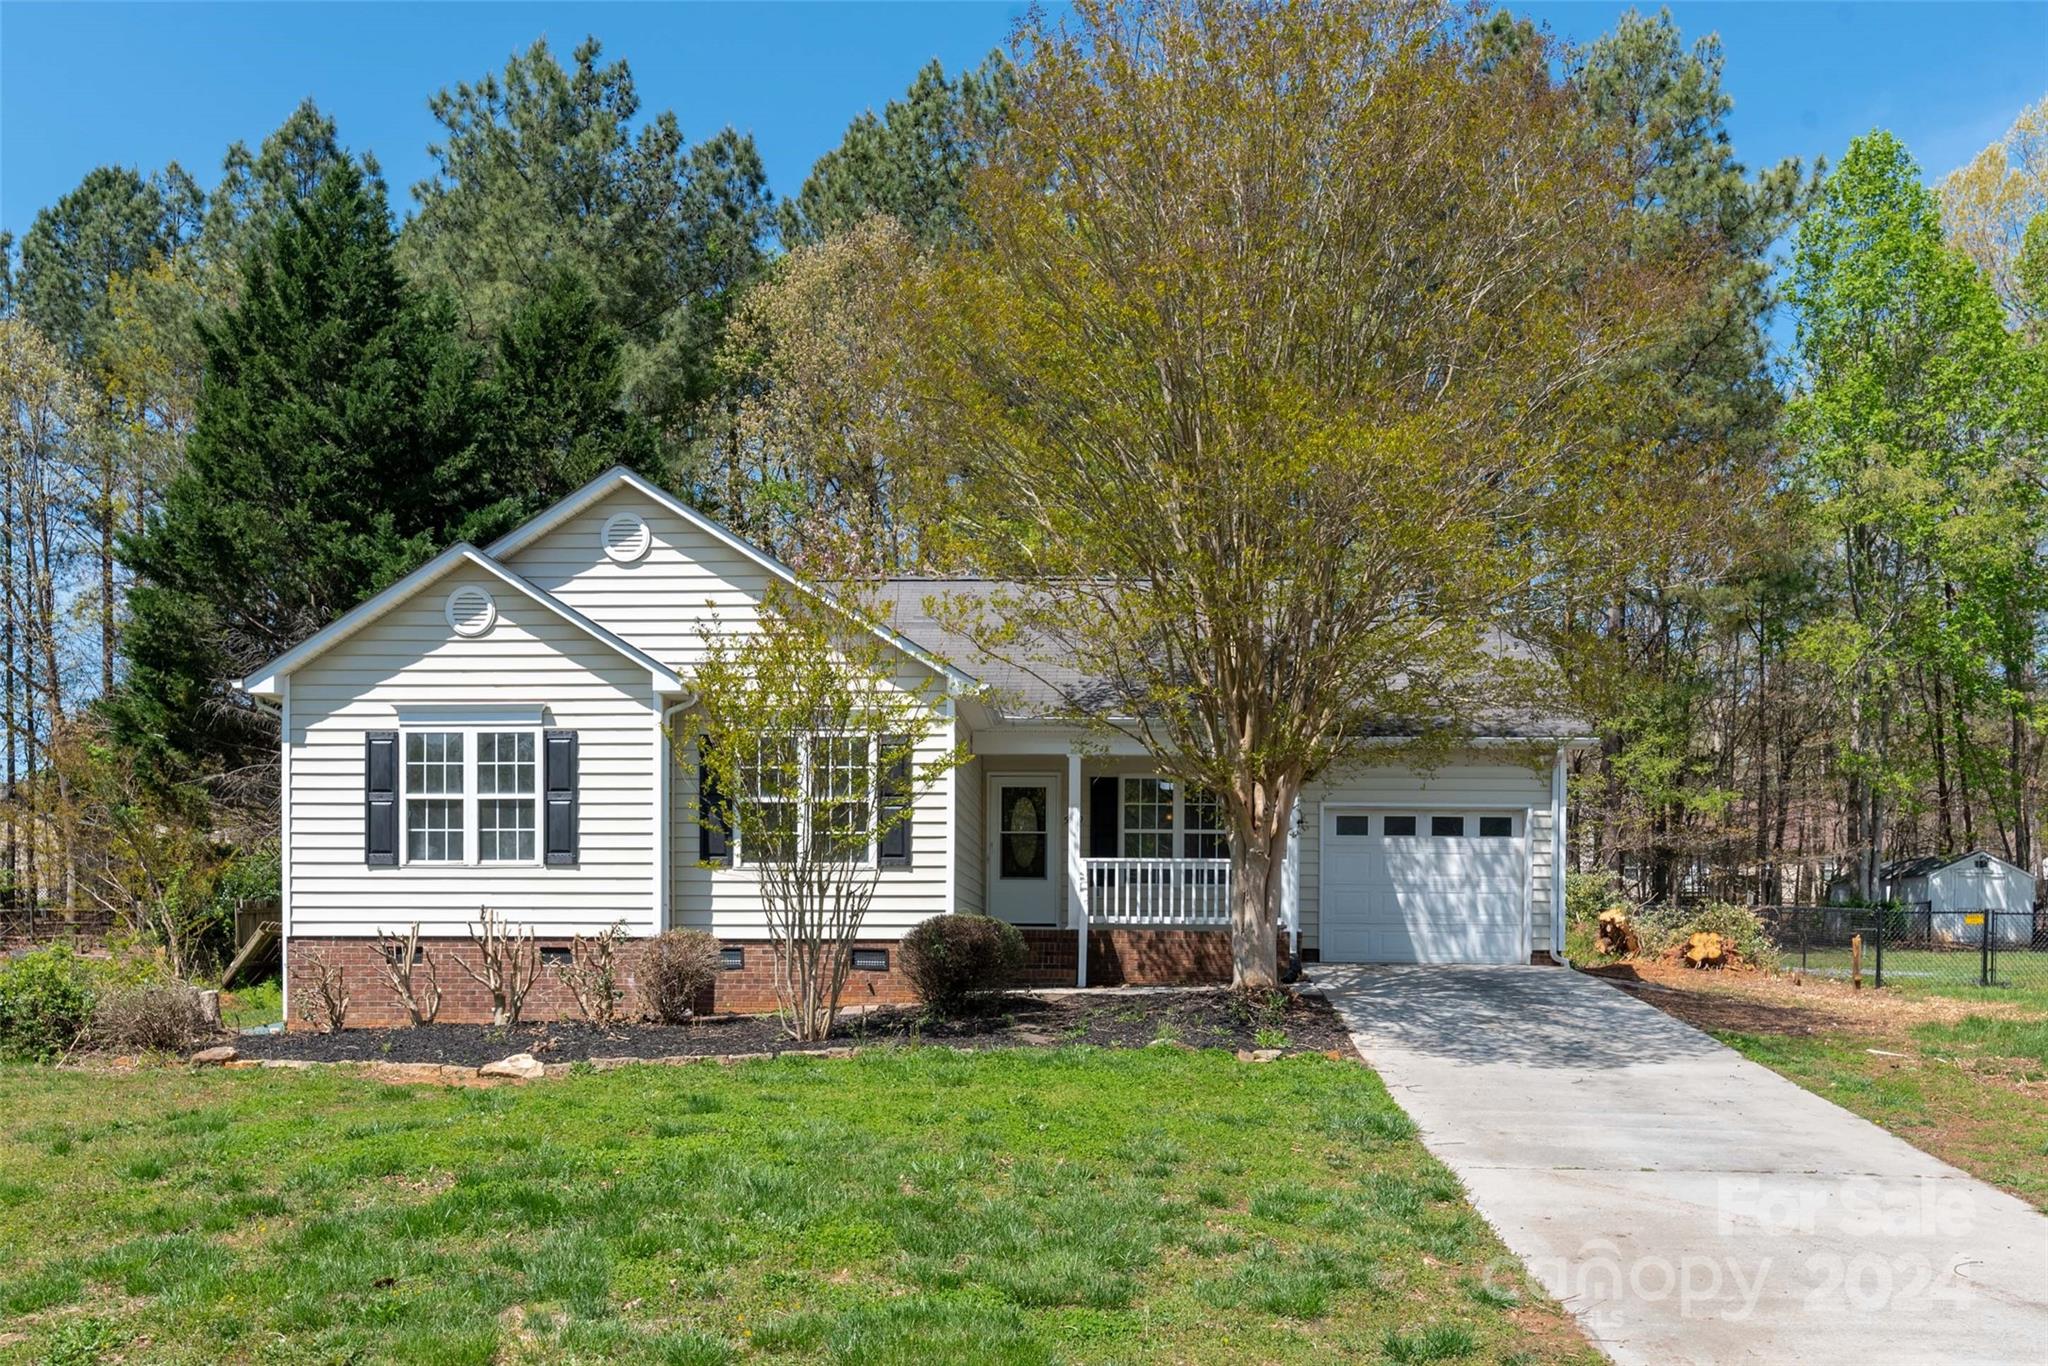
point(1026, 841)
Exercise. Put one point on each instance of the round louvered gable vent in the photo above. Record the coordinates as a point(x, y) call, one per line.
point(471, 611)
point(626, 537)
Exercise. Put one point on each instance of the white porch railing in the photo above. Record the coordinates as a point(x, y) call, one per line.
point(1158, 891)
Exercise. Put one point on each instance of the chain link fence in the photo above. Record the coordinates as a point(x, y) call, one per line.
point(1907, 946)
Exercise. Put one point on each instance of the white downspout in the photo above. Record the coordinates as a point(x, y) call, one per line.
point(284, 852)
point(1077, 872)
point(1558, 846)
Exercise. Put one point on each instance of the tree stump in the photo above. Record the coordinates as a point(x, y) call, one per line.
point(1707, 950)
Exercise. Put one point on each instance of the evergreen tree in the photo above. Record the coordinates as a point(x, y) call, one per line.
point(551, 417)
point(334, 394)
point(112, 224)
point(911, 163)
point(544, 165)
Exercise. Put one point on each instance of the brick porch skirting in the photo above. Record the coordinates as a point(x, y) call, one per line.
point(1129, 957)
point(746, 989)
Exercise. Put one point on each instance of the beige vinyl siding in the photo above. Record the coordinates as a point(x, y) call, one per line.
point(688, 581)
point(727, 901)
point(531, 657)
point(1472, 783)
point(970, 836)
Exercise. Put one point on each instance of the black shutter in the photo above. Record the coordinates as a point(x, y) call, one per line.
point(714, 817)
point(380, 799)
point(1102, 800)
point(895, 802)
point(564, 800)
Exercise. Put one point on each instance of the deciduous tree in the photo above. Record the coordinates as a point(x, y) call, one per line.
point(1288, 364)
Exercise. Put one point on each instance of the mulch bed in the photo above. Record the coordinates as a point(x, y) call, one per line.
point(1199, 1019)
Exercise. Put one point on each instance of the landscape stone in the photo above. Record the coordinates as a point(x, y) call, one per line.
point(518, 1067)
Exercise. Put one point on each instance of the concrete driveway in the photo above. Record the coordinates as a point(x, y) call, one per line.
point(1688, 1205)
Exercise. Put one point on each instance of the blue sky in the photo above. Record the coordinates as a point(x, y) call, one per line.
point(84, 84)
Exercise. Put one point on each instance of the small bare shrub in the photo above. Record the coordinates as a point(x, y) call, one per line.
point(325, 1007)
point(160, 1017)
point(593, 975)
point(419, 992)
point(676, 969)
point(509, 963)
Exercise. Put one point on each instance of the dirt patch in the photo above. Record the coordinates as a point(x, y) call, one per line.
point(1756, 1002)
point(1199, 1019)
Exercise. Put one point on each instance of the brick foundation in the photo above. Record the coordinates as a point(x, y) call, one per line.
point(1129, 958)
point(744, 990)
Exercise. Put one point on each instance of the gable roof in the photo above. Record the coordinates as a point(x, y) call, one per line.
point(1043, 684)
point(619, 477)
point(1934, 863)
point(265, 681)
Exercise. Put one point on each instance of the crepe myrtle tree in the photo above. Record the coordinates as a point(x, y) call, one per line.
point(1280, 373)
point(807, 737)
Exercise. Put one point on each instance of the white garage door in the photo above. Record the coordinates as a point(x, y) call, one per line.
point(1423, 886)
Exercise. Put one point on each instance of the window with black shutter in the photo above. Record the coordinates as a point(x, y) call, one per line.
point(380, 799)
point(714, 813)
point(895, 802)
point(564, 798)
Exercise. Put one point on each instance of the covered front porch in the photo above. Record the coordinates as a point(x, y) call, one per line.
point(1115, 874)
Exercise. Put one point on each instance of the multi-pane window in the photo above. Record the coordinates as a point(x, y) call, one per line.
point(471, 796)
point(841, 793)
point(1204, 837)
point(1148, 817)
point(505, 796)
point(812, 794)
point(772, 783)
point(433, 796)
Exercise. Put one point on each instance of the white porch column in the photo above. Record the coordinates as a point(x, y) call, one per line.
point(1077, 873)
point(1292, 882)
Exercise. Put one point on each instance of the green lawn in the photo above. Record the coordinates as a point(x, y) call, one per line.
point(924, 1205)
point(1949, 1090)
point(2021, 975)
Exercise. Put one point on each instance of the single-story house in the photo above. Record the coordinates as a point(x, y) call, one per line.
point(1949, 888)
point(492, 731)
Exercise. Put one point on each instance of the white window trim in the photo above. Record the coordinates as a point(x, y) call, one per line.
point(472, 836)
point(1178, 836)
point(869, 855)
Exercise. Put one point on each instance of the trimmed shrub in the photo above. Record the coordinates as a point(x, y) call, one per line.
point(949, 959)
point(677, 967)
point(46, 1002)
point(160, 1017)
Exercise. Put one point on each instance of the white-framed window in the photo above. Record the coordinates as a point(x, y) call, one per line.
point(1155, 809)
point(507, 790)
point(1203, 835)
point(837, 773)
point(1148, 823)
point(471, 794)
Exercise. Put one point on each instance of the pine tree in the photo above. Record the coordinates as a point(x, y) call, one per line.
point(911, 163)
point(334, 395)
point(551, 417)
